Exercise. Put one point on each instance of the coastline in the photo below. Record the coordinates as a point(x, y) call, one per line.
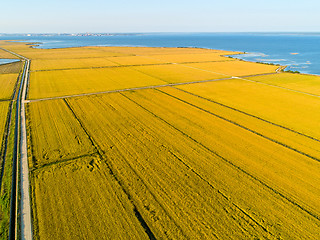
point(266, 48)
point(37, 45)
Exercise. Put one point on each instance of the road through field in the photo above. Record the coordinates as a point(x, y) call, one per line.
point(25, 207)
point(26, 221)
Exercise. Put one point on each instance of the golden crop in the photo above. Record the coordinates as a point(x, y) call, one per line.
point(297, 82)
point(70, 53)
point(81, 200)
point(146, 51)
point(136, 60)
point(7, 84)
point(15, 67)
point(5, 54)
point(173, 147)
point(291, 109)
point(55, 64)
point(278, 133)
point(4, 106)
point(229, 159)
point(69, 82)
point(237, 143)
point(175, 73)
point(55, 135)
point(235, 68)
point(203, 57)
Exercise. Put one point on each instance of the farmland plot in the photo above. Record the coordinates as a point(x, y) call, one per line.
point(54, 134)
point(175, 73)
point(3, 118)
point(136, 60)
point(235, 68)
point(5, 54)
point(298, 82)
point(184, 58)
point(231, 159)
point(139, 145)
point(258, 156)
point(53, 64)
point(15, 67)
point(148, 51)
point(62, 53)
point(81, 200)
point(7, 84)
point(277, 133)
point(294, 110)
point(68, 82)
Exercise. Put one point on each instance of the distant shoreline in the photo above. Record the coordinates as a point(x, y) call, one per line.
point(37, 44)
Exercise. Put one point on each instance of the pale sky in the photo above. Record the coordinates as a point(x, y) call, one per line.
point(35, 16)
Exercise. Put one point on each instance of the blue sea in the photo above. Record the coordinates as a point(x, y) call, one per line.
point(299, 51)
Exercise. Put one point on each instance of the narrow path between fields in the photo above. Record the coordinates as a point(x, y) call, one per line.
point(25, 201)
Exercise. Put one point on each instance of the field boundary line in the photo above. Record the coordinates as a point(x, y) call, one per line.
point(100, 152)
point(237, 167)
point(248, 114)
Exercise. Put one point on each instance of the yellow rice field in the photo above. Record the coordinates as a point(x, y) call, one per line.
point(5, 54)
point(69, 53)
point(80, 200)
point(147, 51)
point(175, 73)
point(7, 84)
point(136, 60)
point(55, 135)
point(298, 82)
point(235, 68)
point(236, 144)
point(184, 58)
point(291, 109)
point(69, 82)
point(54, 64)
point(185, 137)
point(11, 68)
point(271, 130)
point(225, 159)
point(3, 118)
